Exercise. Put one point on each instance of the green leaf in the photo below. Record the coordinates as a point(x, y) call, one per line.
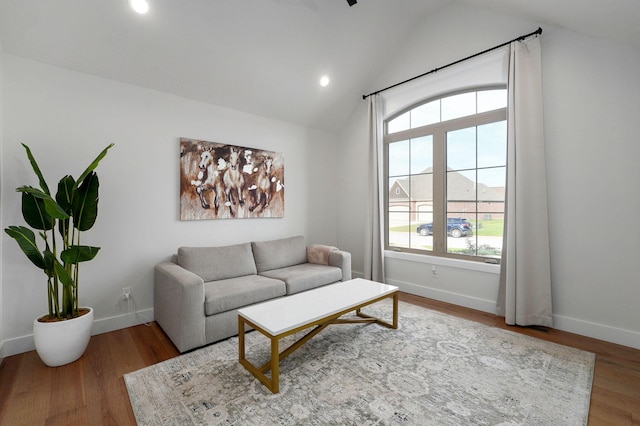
point(64, 196)
point(26, 239)
point(85, 203)
point(63, 275)
point(76, 254)
point(92, 166)
point(35, 213)
point(51, 206)
point(36, 169)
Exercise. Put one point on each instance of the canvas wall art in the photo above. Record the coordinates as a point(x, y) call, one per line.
point(220, 181)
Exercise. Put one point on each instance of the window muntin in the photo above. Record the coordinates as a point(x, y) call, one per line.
point(447, 177)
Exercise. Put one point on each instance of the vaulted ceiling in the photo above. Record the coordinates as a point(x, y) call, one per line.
point(261, 56)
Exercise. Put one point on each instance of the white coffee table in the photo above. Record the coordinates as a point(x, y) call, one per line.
point(319, 307)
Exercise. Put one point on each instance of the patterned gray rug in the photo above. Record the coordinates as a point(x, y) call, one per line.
point(435, 369)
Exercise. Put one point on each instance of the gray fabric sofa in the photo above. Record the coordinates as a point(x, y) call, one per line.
point(197, 294)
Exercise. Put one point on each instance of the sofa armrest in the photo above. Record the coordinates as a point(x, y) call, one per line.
point(178, 297)
point(341, 259)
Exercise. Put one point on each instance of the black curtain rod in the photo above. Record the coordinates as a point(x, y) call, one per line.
point(522, 37)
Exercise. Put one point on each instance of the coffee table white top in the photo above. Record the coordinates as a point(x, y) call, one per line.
point(281, 315)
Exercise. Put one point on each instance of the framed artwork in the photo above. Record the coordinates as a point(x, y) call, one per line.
point(220, 181)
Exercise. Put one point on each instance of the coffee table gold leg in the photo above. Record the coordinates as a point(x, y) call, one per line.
point(241, 352)
point(395, 310)
point(275, 365)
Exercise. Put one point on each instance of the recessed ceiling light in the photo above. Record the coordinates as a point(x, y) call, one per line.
point(324, 81)
point(140, 6)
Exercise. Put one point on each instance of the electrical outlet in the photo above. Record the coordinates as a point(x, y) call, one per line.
point(434, 271)
point(126, 292)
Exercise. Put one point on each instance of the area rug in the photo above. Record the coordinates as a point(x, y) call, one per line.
point(435, 369)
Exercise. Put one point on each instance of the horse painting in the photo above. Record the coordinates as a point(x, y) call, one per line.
point(233, 179)
point(208, 180)
point(263, 185)
point(210, 171)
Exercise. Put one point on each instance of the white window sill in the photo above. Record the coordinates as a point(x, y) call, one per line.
point(443, 261)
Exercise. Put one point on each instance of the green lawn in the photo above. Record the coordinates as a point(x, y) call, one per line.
point(488, 228)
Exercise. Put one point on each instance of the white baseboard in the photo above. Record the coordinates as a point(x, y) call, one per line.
point(17, 345)
point(607, 333)
point(119, 322)
point(446, 296)
point(23, 344)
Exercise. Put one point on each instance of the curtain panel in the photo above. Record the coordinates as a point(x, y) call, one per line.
point(524, 295)
point(374, 233)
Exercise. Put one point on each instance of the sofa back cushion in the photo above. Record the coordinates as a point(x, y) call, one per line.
point(276, 254)
point(218, 263)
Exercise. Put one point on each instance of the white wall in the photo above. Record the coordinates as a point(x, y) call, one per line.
point(67, 118)
point(591, 93)
point(1, 156)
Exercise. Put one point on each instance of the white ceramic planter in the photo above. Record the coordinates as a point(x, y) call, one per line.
point(62, 342)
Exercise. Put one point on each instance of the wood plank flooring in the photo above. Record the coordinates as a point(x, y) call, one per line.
point(91, 391)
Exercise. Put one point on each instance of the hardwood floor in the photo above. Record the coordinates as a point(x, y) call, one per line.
point(91, 391)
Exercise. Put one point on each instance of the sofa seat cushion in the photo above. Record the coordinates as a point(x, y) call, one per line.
point(225, 295)
point(218, 263)
point(305, 276)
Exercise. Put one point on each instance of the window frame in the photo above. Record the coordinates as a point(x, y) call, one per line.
point(438, 131)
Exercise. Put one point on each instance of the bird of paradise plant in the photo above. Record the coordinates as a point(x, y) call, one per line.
point(59, 221)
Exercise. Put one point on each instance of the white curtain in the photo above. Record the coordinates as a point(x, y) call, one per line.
point(374, 244)
point(524, 296)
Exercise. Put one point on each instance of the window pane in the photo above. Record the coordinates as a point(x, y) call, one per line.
point(461, 187)
point(488, 100)
point(458, 106)
point(399, 226)
point(422, 238)
point(460, 236)
point(399, 123)
point(425, 114)
point(421, 189)
point(491, 183)
point(492, 144)
point(422, 154)
point(399, 189)
point(461, 149)
point(424, 213)
point(399, 158)
point(490, 212)
point(489, 229)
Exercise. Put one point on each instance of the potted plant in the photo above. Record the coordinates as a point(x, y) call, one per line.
point(62, 335)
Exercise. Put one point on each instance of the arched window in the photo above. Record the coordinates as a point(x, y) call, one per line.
point(449, 155)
